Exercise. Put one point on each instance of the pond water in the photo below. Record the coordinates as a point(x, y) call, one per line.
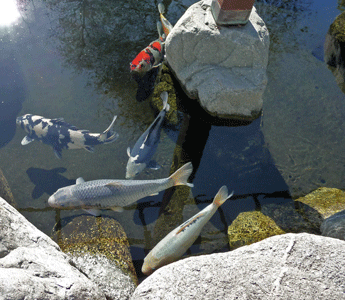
point(71, 59)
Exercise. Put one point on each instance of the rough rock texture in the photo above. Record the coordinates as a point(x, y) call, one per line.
point(99, 248)
point(289, 266)
point(250, 227)
point(223, 67)
point(334, 226)
point(326, 201)
point(32, 266)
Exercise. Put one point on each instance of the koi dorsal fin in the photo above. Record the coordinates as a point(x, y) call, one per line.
point(188, 223)
point(61, 122)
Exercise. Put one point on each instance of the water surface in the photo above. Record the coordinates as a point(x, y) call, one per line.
point(71, 60)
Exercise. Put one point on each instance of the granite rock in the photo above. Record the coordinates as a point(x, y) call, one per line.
point(32, 266)
point(288, 266)
point(223, 67)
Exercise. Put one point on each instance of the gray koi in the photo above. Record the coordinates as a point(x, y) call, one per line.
point(176, 243)
point(145, 147)
point(61, 135)
point(114, 194)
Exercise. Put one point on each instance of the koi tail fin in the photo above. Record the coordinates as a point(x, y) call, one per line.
point(180, 177)
point(222, 196)
point(161, 8)
point(109, 135)
point(160, 30)
point(164, 97)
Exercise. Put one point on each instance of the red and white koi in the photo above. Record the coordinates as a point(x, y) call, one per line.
point(176, 243)
point(167, 27)
point(150, 57)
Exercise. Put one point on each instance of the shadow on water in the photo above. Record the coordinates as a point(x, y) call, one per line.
point(12, 96)
point(47, 181)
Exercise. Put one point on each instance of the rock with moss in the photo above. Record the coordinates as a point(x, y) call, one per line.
point(166, 84)
point(326, 201)
point(251, 227)
point(294, 217)
point(99, 247)
point(335, 47)
point(5, 190)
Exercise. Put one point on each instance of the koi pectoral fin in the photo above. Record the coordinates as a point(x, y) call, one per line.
point(93, 211)
point(26, 140)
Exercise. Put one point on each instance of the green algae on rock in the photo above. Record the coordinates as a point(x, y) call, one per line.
point(337, 28)
point(327, 201)
point(97, 236)
point(251, 227)
point(165, 84)
point(334, 49)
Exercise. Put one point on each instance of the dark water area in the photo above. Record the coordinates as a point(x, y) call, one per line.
point(71, 60)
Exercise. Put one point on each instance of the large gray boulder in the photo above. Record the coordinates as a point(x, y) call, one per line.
point(32, 266)
point(223, 67)
point(289, 266)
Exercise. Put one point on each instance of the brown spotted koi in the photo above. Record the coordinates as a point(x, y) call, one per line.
point(176, 243)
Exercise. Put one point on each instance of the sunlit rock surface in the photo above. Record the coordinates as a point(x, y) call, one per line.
point(326, 201)
point(289, 266)
point(251, 227)
point(223, 67)
point(99, 247)
point(32, 266)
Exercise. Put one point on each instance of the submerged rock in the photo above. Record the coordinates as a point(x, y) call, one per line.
point(32, 266)
point(223, 67)
point(289, 266)
point(326, 201)
point(251, 227)
point(5, 190)
point(335, 48)
point(334, 226)
point(99, 247)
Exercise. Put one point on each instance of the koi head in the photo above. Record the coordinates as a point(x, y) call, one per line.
point(142, 62)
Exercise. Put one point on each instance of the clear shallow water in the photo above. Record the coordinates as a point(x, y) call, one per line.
point(71, 60)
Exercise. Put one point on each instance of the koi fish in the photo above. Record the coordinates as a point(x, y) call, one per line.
point(114, 194)
point(176, 243)
point(150, 57)
point(167, 27)
point(146, 145)
point(61, 135)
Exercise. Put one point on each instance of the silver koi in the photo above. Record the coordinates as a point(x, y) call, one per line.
point(61, 135)
point(114, 194)
point(176, 243)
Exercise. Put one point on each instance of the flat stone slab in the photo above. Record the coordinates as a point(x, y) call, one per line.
point(223, 67)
